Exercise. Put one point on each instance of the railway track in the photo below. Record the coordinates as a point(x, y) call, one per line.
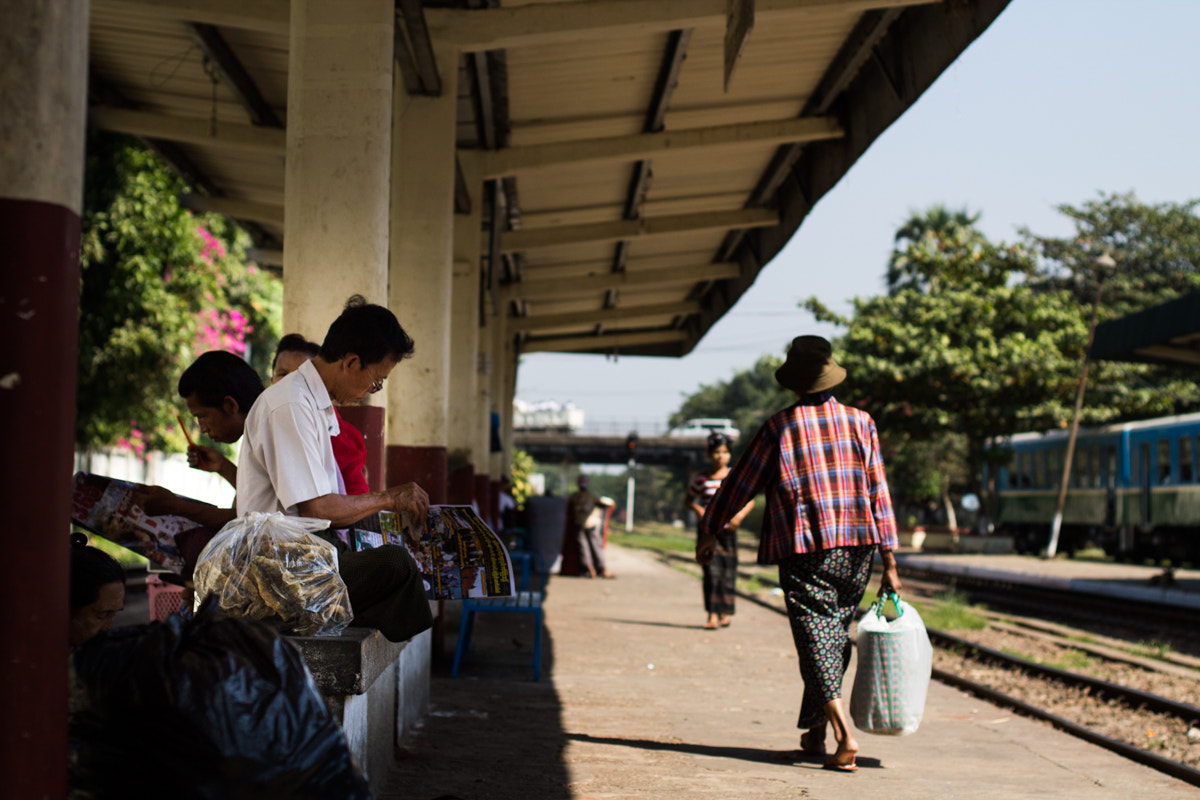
point(1139, 724)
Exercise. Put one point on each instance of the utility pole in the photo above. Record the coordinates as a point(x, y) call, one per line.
point(631, 448)
point(1104, 262)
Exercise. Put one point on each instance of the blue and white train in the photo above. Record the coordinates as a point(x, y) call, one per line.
point(1134, 489)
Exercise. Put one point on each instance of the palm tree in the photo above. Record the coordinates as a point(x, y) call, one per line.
point(929, 228)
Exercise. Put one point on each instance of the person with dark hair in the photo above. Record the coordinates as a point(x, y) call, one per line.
point(97, 591)
point(287, 464)
point(219, 389)
point(292, 351)
point(720, 574)
point(370, 332)
point(349, 446)
point(828, 512)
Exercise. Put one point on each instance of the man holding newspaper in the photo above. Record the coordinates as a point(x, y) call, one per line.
point(287, 464)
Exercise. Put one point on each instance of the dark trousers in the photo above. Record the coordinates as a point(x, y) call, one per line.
point(823, 590)
point(386, 591)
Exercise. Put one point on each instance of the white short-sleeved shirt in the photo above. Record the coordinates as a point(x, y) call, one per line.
point(287, 456)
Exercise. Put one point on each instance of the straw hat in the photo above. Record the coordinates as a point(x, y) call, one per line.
point(809, 366)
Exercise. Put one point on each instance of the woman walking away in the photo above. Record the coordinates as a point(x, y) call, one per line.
point(720, 574)
point(828, 511)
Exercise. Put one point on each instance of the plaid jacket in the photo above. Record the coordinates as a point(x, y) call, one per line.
point(818, 463)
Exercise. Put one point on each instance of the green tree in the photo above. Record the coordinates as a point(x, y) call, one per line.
point(1156, 249)
point(158, 286)
point(1155, 257)
point(967, 351)
point(937, 223)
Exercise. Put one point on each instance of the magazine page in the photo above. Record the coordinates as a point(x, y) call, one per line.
point(104, 506)
point(457, 553)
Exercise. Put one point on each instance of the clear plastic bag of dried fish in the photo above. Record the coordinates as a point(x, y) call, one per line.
point(269, 567)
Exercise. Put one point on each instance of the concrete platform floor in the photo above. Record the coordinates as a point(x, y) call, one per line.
point(638, 701)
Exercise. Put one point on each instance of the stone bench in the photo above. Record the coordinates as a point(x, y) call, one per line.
point(377, 690)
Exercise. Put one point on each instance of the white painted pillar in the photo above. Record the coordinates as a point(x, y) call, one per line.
point(43, 90)
point(339, 128)
point(421, 279)
point(503, 387)
point(465, 460)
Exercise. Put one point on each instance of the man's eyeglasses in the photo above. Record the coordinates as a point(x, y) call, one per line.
point(376, 383)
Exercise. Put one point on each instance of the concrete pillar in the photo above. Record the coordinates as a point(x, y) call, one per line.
point(503, 388)
point(43, 90)
point(421, 280)
point(483, 410)
point(339, 131)
point(465, 458)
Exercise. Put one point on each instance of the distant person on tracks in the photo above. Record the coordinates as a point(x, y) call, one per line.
point(828, 511)
point(720, 574)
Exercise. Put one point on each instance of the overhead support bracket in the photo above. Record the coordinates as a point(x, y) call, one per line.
point(515, 160)
point(625, 315)
point(192, 130)
point(471, 30)
point(602, 344)
point(238, 209)
point(535, 290)
point(531, 238)
point(267, 16)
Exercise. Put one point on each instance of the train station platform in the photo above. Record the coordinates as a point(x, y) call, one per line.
point(1124, 581)
point(637, 700)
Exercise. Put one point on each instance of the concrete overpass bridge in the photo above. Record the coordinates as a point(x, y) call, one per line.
point(569, 448)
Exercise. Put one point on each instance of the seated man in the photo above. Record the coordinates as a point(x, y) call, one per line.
point(287, 463)
point(349, 448)
point(219, 389)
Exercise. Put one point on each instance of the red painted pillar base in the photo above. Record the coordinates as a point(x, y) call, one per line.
point(39, 284)
point(460, 485)
point(369, 420)
point(425, 466)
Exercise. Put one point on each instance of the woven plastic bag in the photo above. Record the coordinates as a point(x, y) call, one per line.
point(270, 567)
point(895, 661)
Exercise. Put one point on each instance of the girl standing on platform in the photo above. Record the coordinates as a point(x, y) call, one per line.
point(720, 575)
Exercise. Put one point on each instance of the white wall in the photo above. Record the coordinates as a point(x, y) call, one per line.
point(169, 470)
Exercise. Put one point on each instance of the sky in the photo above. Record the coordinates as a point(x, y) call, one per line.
point(1057, 101)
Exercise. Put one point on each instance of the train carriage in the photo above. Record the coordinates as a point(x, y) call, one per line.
point(1133, 489)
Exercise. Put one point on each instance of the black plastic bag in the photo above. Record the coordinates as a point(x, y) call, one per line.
point(215, 707)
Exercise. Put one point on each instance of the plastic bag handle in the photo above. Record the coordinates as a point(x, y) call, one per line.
point(879, 604)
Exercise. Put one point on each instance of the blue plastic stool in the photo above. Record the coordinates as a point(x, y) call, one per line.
point(524, 601)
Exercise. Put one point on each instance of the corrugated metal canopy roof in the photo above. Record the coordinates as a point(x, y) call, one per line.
point(638, 198)
point(1165, 334)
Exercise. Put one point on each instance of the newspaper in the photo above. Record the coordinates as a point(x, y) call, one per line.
point(105, 506)
point(457, 553)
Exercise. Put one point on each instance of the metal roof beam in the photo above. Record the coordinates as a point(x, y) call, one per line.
point(514, 160)
point(630, 315)
point(546, 23)
point(675, 276)
point(214, 47)
point(192, 130)
point(268, 16)
point(529, 239)
point(600, 344)
point(420, 49)
point(238, 209)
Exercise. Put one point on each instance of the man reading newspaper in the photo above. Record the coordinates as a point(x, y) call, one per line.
point(287, 464)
